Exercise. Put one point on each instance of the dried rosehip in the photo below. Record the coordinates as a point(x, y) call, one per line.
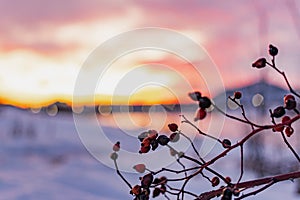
point(289, 131)
point(114, 156)
point(142, 136)
point(152, 134)
point(287, 97)
point(144, 149)
point(147, 180)
point(116, 146)
point(215, 181)
point(290, 104)
point(156, 192)
point(237, 95)
point(154, 144)
point(163, 140)
point(226, 143)
point(136, 190)
point(227, 194)
point(273, 51)
point(285, 119)
point(200, 114)
point(228, 179)
point(139, 168)
point(195, 95)
point(204, 102)
point(146, 142)
point(173, 127)
point(260, 63)
point(174, 137)
point(278, 112)
point(163, 188)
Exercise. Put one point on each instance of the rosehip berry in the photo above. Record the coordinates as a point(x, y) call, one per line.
point(287, 97)
point(156, 192)
point(142, 136)
point(163, 140)
point(290, 104)
point(173, 127)
point(174, 137)
point(152, 134)
point(114, 156)
point(136, 190)
point(116, 146)
point(273, 51)
point(147, 180)
point(204, 102)
point(285, 119)
point(237, 95)
point(278, 128)
point(144, 149)
point(227, 194)
point(195, 95)
point(289, 131)
point(201, 114)
point(139, 168)
point(228, 179)
point(278, 112)
point(226, 143)
point(215, 181)
point(146, 142)
point(154, 145)
point(163, 188)
point(260, 63)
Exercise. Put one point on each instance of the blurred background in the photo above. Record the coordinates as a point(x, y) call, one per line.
point(44, 44)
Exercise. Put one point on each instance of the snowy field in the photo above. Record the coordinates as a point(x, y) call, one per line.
point(42, 158)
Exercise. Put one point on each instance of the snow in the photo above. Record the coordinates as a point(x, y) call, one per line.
point(42, 157)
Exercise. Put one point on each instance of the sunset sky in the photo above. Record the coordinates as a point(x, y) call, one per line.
point(44, 44)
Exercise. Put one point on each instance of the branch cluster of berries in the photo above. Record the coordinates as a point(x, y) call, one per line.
point(151, 140)
point(204, 104)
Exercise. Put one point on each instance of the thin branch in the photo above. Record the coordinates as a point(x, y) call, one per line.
point(290, 146)
point(242, 163)
point(122, 177)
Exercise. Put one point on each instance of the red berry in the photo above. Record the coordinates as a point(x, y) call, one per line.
point(142, 136)
point(285, 119)
point(144, 149)
point(152, 134)
point(136, 190)
point(289, 131)
point(287, 97)
point(260, 63)
point(228, 179)
point(201, 114)
point(290, 104)
point(215, 181)
point(116, 146)
point(147, 180)
point(278, 128)
point(237, 95)
point(173, 127)
point(140, 168)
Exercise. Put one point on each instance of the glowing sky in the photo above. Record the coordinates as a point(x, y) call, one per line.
point(43, 44)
